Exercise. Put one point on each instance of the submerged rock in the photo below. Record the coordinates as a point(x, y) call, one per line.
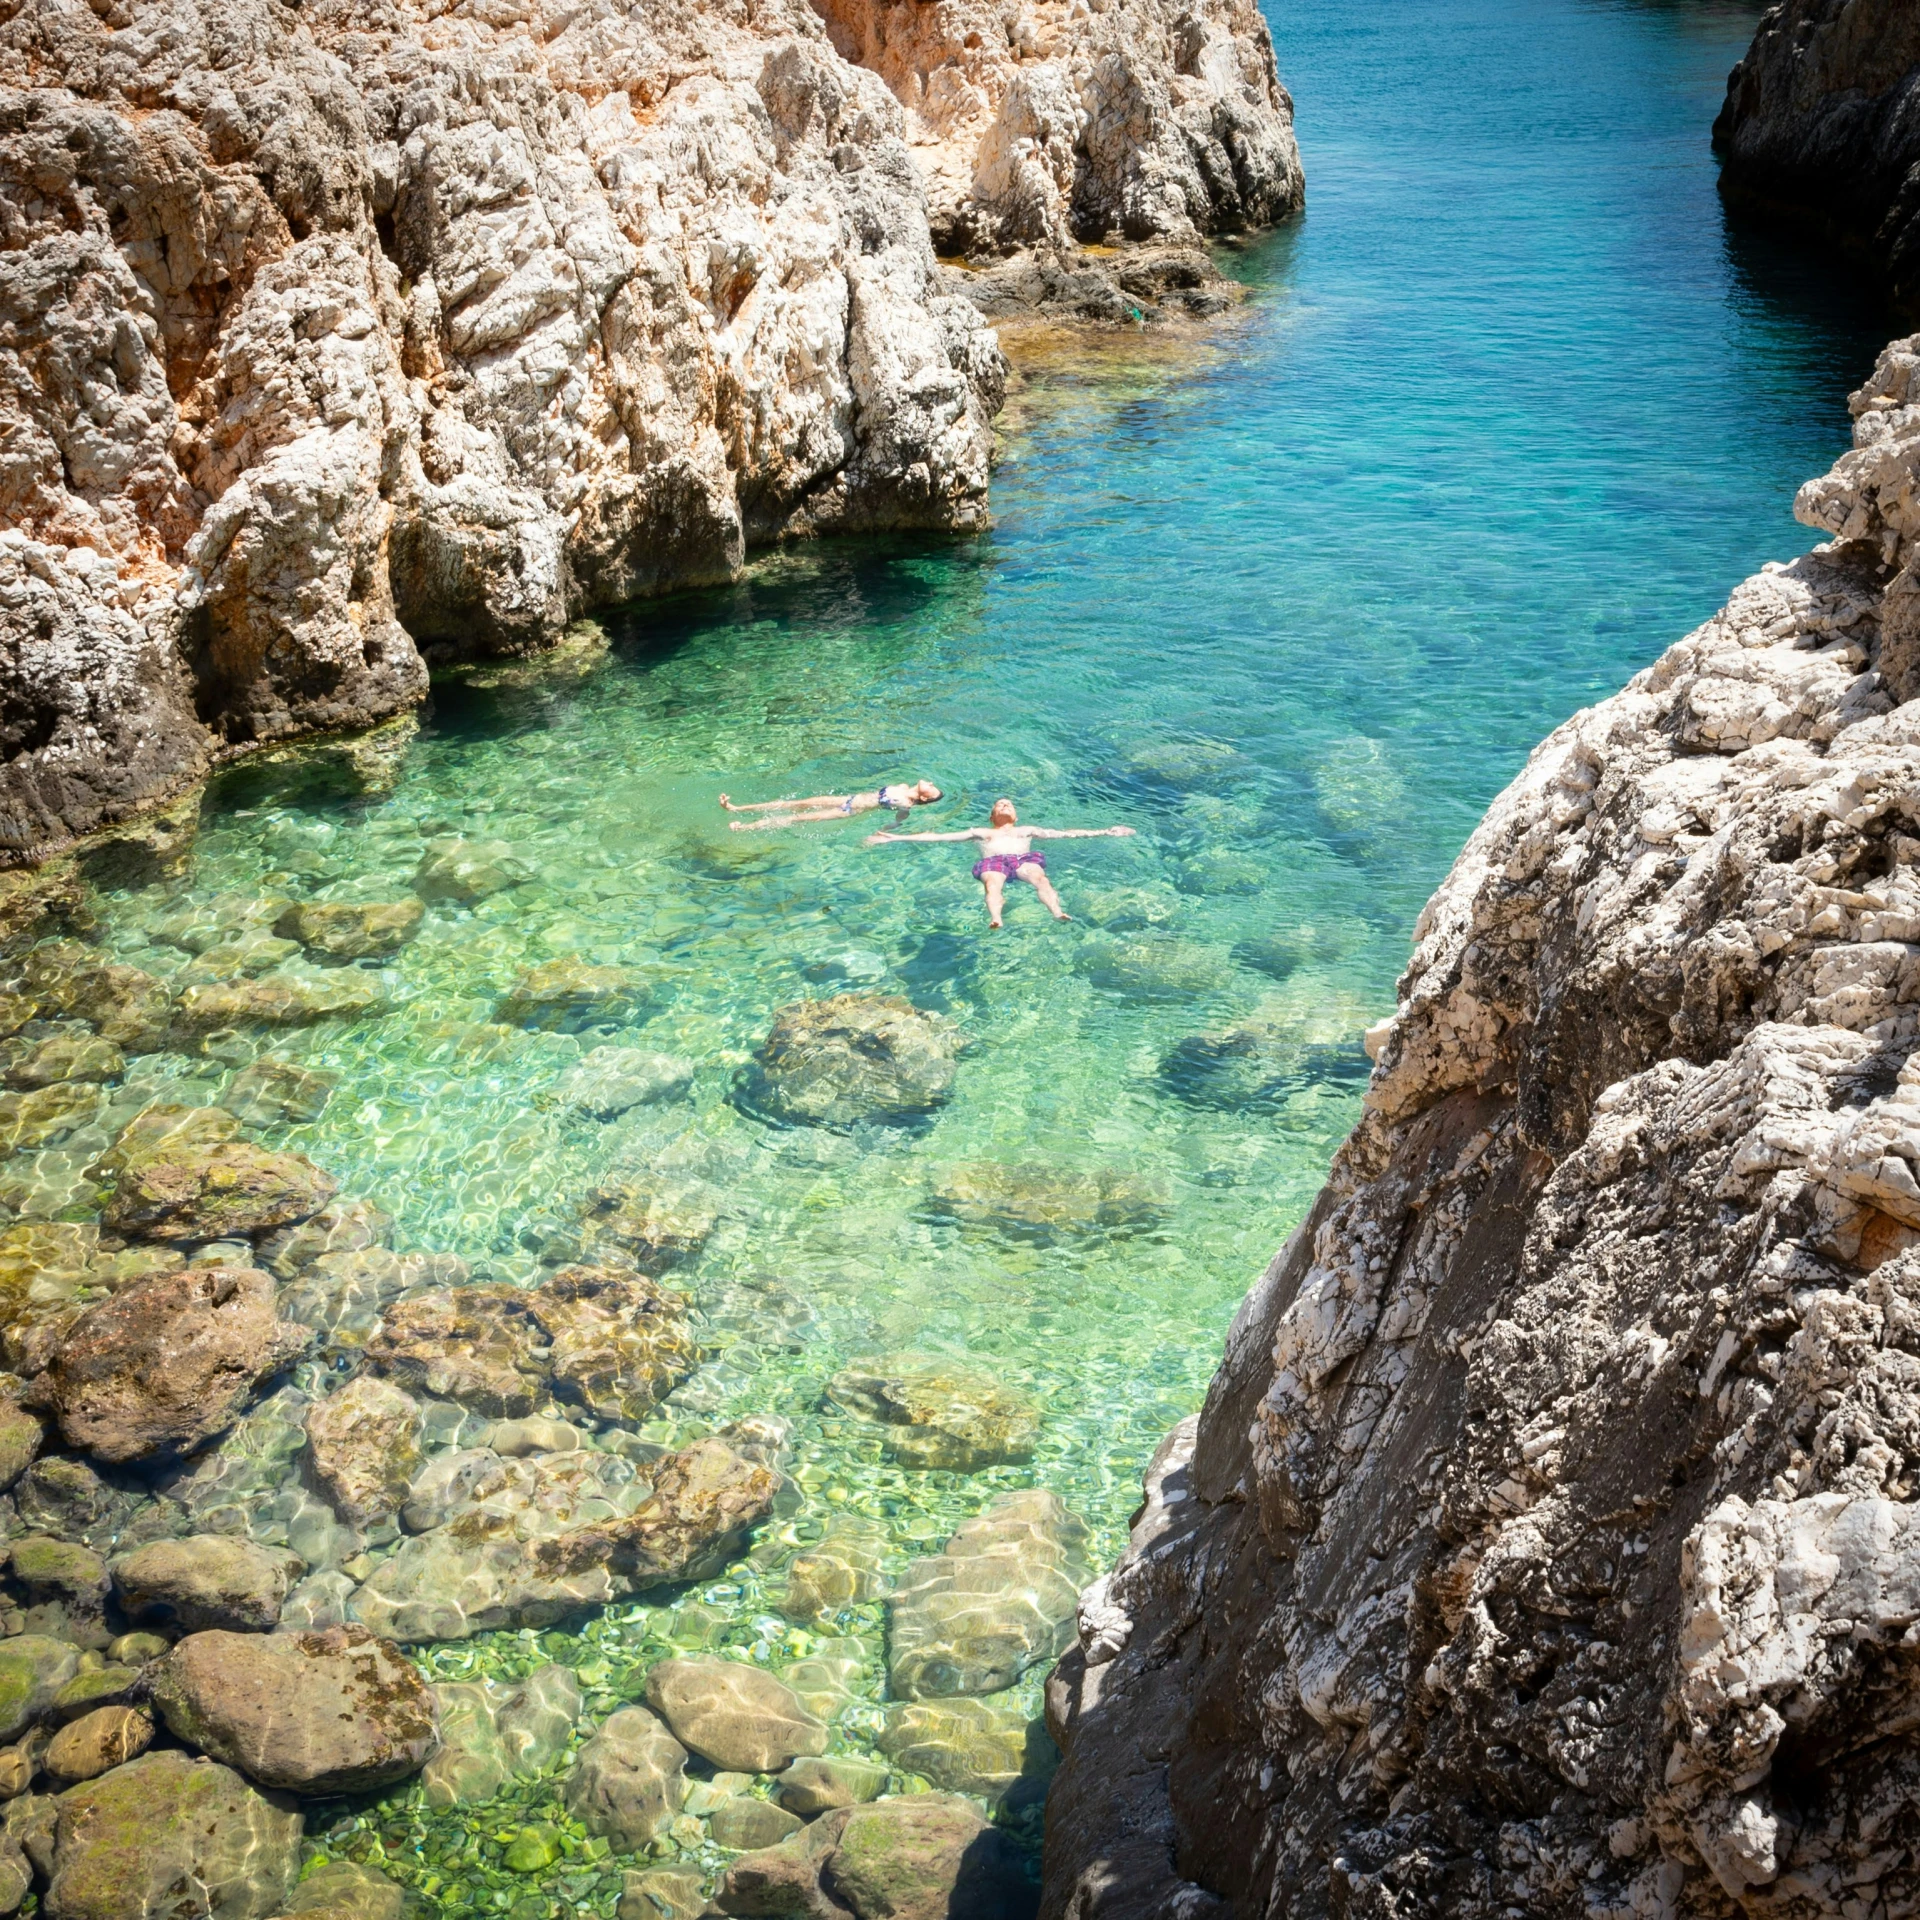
point(644, 1220)
point(1154, 967)
point(997, 1599)
point(812, 1786)
point(363, 1445)
point(509, 1555)
point(163, 1367)
point(733, 1714)
point(207, 1580)
point(348, 930)
point(279, 1000)
point(842, 1569)
point(628, 1780)
point(29, 1120)
point(573, 996)
point(609, 1080)
point(98, 1741)
point(492, 1731)
point(33, 1669)
point(127, 1844)
point(224, 1191)
point(344, 1226)
point(344, 1890)
point(1047, 1203)
point(619, 1344)
point(939, 1414)
point(854, 1057)
point(468, 871)
point(990, 1748)
point(1259, 1066)
point(271, 1093)
point(482, 1346)
point(321, 1713)
point(67, 1056)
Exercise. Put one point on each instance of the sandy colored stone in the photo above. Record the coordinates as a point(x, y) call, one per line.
point(627, 1781)
point(735, 1715)
point(940, 1413)
point(363, 1444)
point(854, 1057)
point(348, 930)
point(223, 1191)
point(207, 1580)
point(107, 1737)
point(482, 1346)
point(620, 1344)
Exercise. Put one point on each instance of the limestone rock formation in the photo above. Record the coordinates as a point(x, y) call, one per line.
point(332, 337)
point(1545, 1541)
point(1135, 119)
point(1822, 121)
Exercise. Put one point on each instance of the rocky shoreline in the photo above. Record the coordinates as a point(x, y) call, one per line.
point(341, 339)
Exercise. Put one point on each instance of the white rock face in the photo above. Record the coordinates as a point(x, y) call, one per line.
point(1049, 121)
point(335, 335)
point(1550, 1541)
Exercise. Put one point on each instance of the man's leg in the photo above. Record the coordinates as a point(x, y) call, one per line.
point(1044, 888)
point(995, 883)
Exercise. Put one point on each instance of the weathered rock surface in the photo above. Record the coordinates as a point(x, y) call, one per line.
point(1542, 1543)
point(735, 1715)
point(167, 1364)
point(1045, 1203)
point(334, 338)
point(997, 1599)
point(1822, 122)
point(363, 1444)
point(854, 1057)
point(1140, 121)
point(107, 1737)
point(350, 930)
point(332, 1712)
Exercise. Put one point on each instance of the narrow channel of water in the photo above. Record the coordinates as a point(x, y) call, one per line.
point(1509, 411)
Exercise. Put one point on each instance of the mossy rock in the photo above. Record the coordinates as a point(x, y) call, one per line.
point(227, 1191)
point(32, 1670)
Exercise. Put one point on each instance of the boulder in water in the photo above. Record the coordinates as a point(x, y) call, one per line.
point(997, 1599)
point(855, 1057)
point(344, 1226)
point(345, 1890)
point(67, 1056)
point(107, 1737)
point(841, 1569)
point(628, 1780)
point(363, 1448)
point(224, 1191)
point(482, 1346)
point(813, 1786)
point(342, 1296)
point(279, 1000)
point(989, 1748)
point(609, 1080)
point(33, 1669)
point(572, 995)
point(468, 871)
point(207, 1580)
point(1046, 1203)
point(940, 1414)
point(349, 930)
point(271, 1093)
point(733, 1714)
point(1152, 967)
point(650, 1222)
point(47, 1114)
point(168, 1363)
point(332, 1712)
point(491, 1731)
point(126, 1844)
point(620, 1344)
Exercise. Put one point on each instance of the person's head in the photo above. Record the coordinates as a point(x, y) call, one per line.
point(1003, 814)
point(925, 793)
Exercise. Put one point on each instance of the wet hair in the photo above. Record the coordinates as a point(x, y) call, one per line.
point(1003, 801)
point(935, 795)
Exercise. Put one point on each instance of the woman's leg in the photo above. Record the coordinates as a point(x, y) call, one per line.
point(803, 819)
point(1044, 888)
point(995, 883)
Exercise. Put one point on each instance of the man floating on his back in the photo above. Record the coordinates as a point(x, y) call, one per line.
point(1006, 850)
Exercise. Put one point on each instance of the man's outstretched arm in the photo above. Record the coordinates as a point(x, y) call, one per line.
point(967, 833)
point(1077, 833)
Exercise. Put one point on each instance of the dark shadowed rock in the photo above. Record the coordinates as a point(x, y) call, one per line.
point(332, 1712)
point(165, 1365)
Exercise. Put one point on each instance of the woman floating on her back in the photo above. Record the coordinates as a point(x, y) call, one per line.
point(833, 806)
point(1006, 849)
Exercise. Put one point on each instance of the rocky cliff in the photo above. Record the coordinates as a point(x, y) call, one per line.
point(1822, 122)
point(1550, 1540)
point(339, 337)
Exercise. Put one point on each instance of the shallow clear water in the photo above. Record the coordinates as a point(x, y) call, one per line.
point(1510, 410)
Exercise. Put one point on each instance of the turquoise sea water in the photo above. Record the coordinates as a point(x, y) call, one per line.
point(1511, 409)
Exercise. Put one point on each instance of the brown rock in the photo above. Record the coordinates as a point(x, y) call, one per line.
point(332, 1712)
point(207, 1580)
point(347, 930)
point(482, 1346)
point(620, 1343)
point(165, 1365)
point(364, 1447)
point(230, 1190)
point(735, 1715)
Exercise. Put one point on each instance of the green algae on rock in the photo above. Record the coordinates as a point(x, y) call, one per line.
point(126, 1843)
point(228, 1190)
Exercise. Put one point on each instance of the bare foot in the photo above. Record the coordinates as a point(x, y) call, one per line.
point(993, 923)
